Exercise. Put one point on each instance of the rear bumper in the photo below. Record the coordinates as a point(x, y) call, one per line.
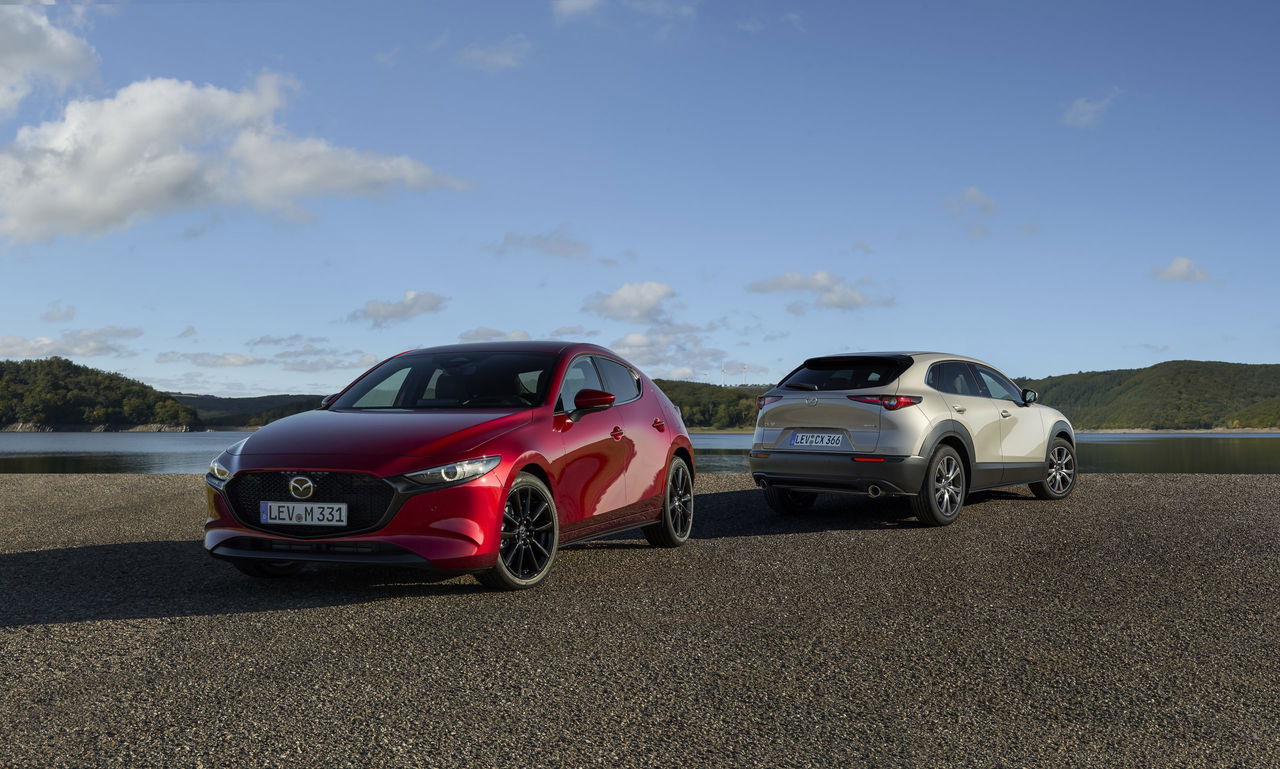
point(842, 473)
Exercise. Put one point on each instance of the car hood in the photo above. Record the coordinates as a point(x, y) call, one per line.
point(383, 433)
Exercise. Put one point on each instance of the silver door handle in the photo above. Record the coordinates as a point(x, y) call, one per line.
point(959, 409)
point(1005, 413)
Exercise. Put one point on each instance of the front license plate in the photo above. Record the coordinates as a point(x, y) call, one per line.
point(303, 513)
point(816, 439)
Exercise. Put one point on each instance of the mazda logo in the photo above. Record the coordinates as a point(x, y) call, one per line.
point(811, 401)
point(301, 487)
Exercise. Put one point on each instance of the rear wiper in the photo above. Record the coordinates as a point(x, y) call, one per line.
point(801, 386)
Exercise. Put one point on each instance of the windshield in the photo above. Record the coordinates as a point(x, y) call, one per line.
point(454, 380)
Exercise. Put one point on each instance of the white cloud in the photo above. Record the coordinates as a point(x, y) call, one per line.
point(486, 334)
point(85, 343)
point(31, 50)
point(1085, 112)
point(633, 302)
point(330, 364)
point(558, 242)
point(795, 20)
point(828, 291)
point(1181, 268)
point(57, 313)
point(164, 145)
point(413, 304)
point(510, 53)
point(573, 332)
point(209, 359)
point(276, 341)
point(187, 332)
point(663, 9)
point(668, 348)
point(972, 199)
point(564, 10)
point(308, 351)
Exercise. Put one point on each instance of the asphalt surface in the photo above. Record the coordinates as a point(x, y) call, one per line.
point(1135, 624)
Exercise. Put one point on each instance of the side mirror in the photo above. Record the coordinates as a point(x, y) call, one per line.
point(588, 400)
point(326, 400)
point(1030, 396)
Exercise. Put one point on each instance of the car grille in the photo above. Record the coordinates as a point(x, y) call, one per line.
point(368, 499)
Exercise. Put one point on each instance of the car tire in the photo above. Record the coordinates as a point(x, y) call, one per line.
point(943, 490)
point(1060, 471)
point(268, 569)
point(530, 529)
point(786, 501)
point(676, 523)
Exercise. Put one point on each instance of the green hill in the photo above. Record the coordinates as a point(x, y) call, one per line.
point(719, 407)
point(55, 391)
point(1184, 394)
point(215, 411)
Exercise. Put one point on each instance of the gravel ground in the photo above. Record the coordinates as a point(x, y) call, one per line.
point(1134, 624)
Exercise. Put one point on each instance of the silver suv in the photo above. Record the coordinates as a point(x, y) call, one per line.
point(931, 427)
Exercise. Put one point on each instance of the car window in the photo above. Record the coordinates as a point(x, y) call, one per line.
point(846, 373)
point(383, 394)
point(451, 380)
point(953, 377)
point(618, 379)
point(997, 386)
point(581, 375)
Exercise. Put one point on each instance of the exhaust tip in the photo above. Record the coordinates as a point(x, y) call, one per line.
point(874, 491)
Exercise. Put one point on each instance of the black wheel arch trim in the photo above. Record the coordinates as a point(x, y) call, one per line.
point(1059, 427)
point(948, 428)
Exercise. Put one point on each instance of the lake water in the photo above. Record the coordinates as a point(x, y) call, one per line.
point(717, 452)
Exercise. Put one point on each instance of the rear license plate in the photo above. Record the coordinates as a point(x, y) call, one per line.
point(816, 439)
point(303, 514)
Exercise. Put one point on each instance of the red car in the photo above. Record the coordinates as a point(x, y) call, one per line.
point(481, 458)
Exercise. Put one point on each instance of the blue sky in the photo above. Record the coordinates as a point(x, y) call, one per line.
point(240, 198)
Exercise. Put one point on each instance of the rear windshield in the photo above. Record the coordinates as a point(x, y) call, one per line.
point(454, 380)
point(846, 373)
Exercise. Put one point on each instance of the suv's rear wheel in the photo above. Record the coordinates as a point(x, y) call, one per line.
point(789, 501)
point(1060, 473)
point(942, 493)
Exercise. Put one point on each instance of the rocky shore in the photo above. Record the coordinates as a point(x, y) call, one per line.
point(31, 427)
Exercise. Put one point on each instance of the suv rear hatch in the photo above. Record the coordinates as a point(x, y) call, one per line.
point(814, 408)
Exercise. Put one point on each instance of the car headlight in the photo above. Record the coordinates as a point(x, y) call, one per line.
point(218, 471)
point(456, 472)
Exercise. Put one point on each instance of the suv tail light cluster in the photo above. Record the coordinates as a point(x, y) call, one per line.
point(765, 400)
point(890, 402)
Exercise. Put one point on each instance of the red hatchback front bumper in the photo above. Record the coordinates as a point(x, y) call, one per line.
point(455, 528)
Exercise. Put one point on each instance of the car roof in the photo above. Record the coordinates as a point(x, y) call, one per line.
point(553, 346)
point(915, 355)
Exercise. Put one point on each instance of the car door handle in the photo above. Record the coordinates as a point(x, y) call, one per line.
point(1005, 413)
point(617, 433)
point(960, 409)
point(659, 425)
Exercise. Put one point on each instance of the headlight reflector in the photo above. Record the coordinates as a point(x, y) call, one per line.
point(455, 472)
point(218, 471)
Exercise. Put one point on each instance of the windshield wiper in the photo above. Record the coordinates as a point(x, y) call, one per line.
point(800, 386)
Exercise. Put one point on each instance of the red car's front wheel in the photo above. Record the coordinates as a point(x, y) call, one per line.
point(530, 537)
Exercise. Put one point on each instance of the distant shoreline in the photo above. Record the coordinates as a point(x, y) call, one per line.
point(28, 427)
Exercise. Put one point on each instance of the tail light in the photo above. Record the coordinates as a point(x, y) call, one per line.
point(890, 402)
point(765, 400)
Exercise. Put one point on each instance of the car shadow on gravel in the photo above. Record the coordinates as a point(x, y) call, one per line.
point(745, 514)
point(137, 580)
